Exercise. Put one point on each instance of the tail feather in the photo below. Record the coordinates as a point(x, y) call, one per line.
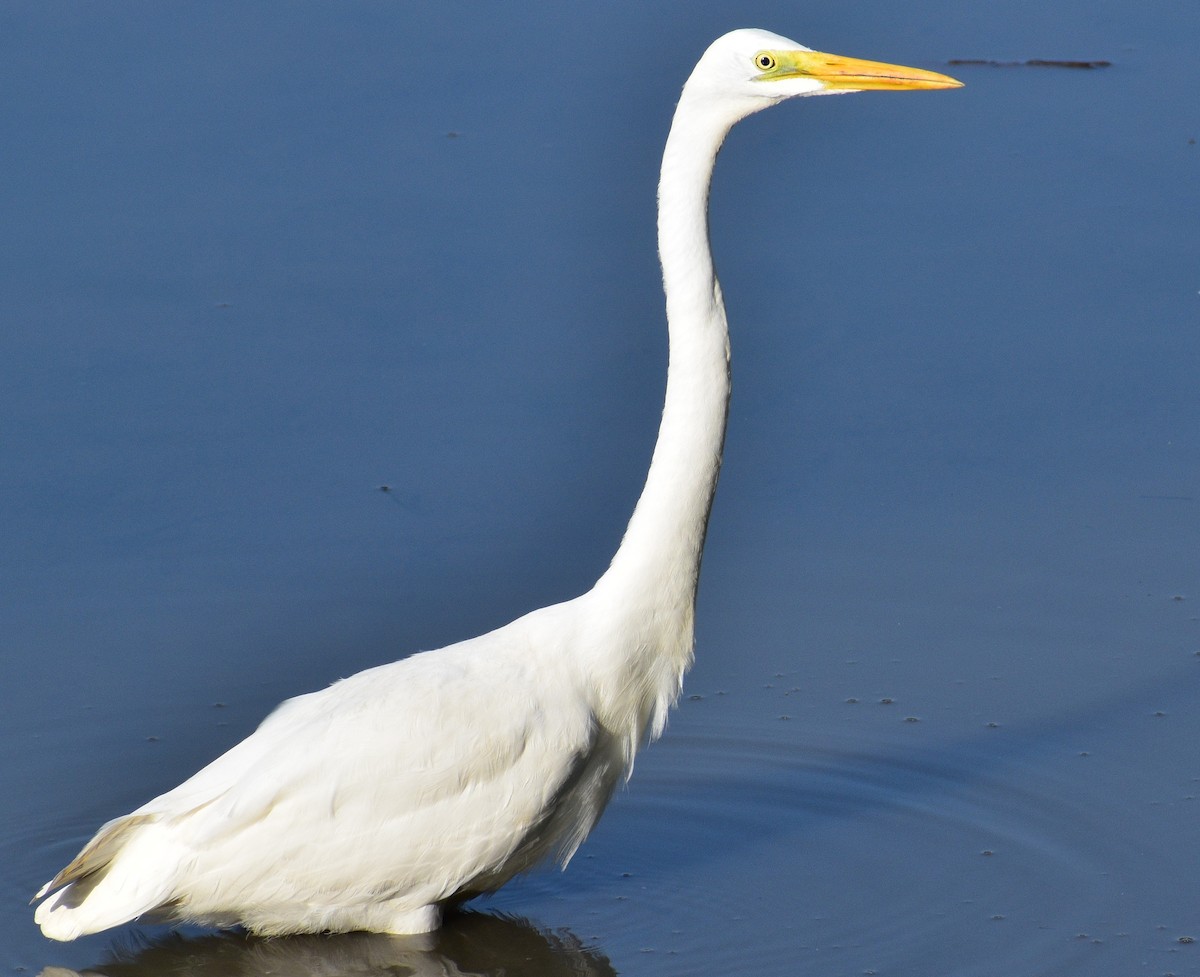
point(128, 869)
point(98, 853)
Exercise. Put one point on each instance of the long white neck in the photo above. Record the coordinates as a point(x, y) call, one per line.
point(651, 584)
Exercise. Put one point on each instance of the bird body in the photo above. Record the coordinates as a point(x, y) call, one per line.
point(328, 795)
point(374, 803)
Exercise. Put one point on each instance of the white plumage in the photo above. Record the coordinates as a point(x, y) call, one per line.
point(374, 803)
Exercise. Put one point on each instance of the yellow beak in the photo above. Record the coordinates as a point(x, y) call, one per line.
point(853, 74)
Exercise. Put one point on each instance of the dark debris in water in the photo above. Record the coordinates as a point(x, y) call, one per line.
point(1030, 63)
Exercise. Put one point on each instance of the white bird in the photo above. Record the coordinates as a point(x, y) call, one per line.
point(377, 802)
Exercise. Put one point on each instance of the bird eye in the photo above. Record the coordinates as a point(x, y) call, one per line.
point(764, 61)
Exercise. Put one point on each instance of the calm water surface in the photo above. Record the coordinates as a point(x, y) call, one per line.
point(260, 263)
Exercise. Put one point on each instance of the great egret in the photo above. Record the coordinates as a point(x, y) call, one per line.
point(373, 804)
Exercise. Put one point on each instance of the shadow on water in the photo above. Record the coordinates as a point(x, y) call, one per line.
point(470, 943)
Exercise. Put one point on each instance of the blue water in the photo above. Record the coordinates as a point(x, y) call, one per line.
point(262, 262)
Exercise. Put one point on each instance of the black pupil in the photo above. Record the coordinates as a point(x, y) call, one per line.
point(764, 61)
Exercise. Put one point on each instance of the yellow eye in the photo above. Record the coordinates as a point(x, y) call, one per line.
point(764, 61)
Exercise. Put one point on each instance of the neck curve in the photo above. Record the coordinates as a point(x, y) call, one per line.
point(656, 569)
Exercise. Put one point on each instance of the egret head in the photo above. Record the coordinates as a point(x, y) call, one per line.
point(757, 68)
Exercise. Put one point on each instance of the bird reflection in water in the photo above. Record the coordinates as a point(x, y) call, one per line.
point(470, 943)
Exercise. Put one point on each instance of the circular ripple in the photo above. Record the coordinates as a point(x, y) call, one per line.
point(753, 853)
